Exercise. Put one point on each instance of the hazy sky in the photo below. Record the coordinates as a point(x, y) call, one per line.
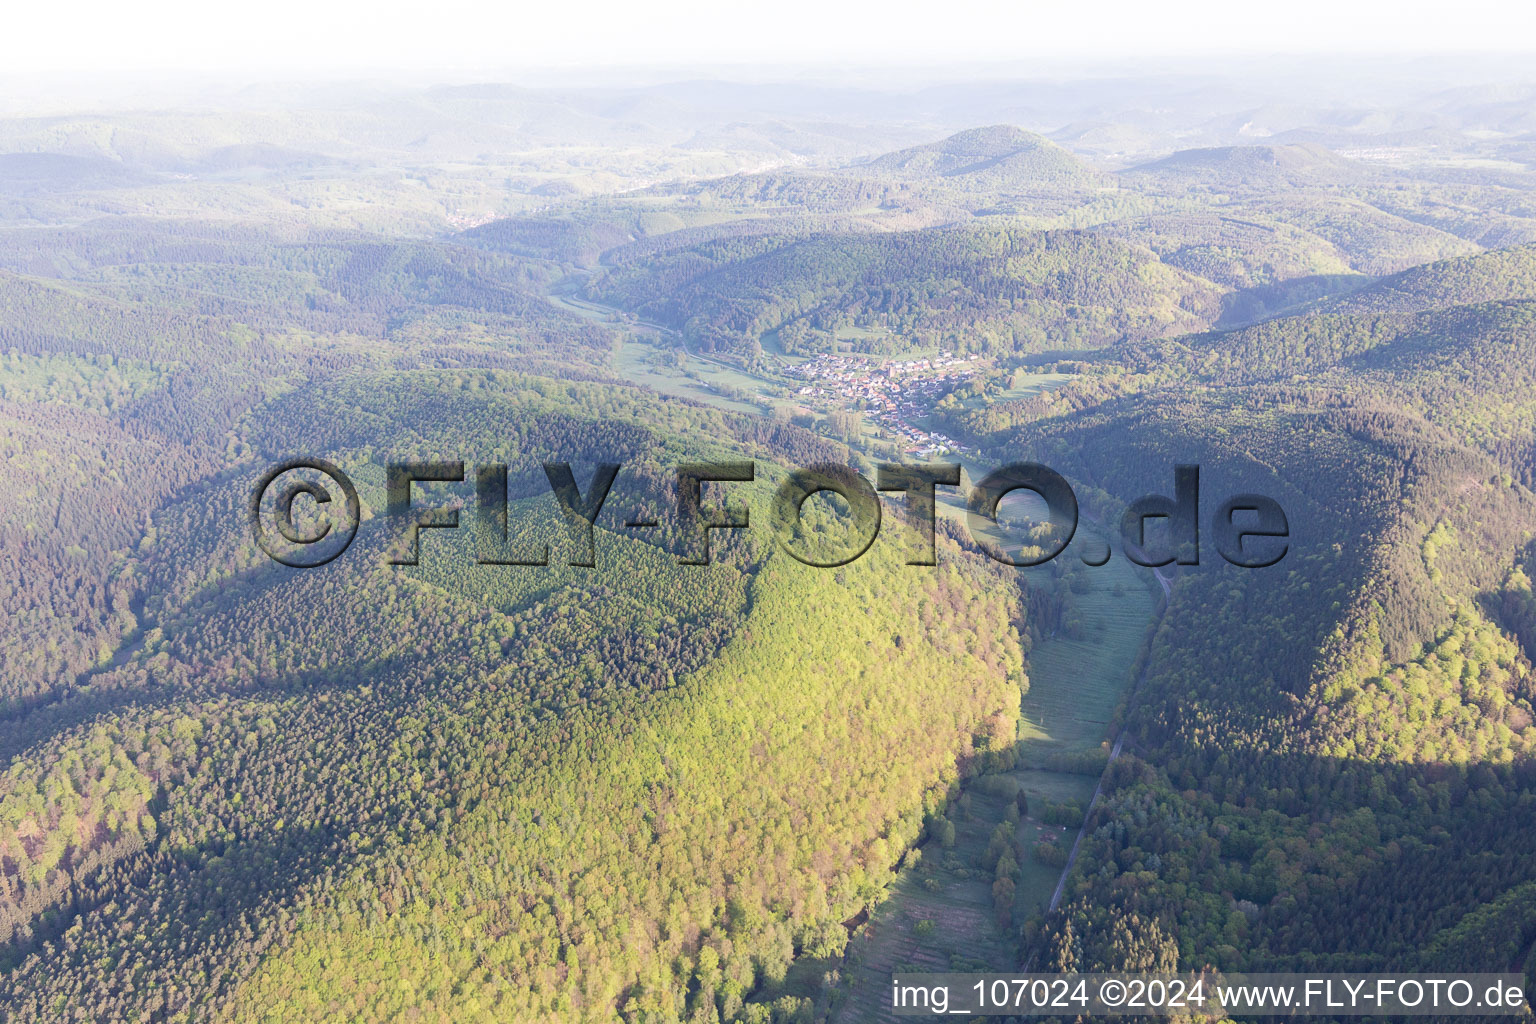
point(339, 37)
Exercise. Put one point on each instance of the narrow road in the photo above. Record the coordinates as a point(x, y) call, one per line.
point(1061, 883)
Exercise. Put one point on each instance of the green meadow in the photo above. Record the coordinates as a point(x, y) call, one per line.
point(938, 913)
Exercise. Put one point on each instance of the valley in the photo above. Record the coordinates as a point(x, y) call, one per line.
point(648, 791)
point(941, 912)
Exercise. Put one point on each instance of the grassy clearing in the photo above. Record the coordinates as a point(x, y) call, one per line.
point(1076, 683)
point(642, 363)
point(774, 346)
point(672, 370)
point(1025, 386)
point(939, 913)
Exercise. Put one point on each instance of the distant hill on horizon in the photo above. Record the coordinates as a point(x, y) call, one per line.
point(1267, 165)
point(992, 156)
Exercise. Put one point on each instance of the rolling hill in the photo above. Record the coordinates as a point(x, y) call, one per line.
point(1256, 167)
point(998, 157)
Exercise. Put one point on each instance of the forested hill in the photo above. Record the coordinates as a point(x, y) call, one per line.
point(991, 287)
point(1495, 276)
point(996, 157)
point(653, 792)
point(1470, 369)
point(1455, 356)
point(1353, 726)
point(1467, 369)
point(263, 792)
point(1259, 166)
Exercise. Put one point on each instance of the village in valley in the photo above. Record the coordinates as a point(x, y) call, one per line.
point(893, 395)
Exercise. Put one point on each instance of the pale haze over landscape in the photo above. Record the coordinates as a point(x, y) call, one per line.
point(258, 764)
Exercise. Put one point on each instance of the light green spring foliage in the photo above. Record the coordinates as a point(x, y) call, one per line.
point(1465, 700)
point(674, 855)
point(98, 383)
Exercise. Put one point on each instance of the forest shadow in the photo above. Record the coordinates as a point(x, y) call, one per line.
point(1247, 305)
point(1337, 864)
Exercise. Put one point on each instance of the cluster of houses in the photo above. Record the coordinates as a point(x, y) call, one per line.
point(894, 393)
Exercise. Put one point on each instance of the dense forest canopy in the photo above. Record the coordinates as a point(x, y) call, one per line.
point(658, 792)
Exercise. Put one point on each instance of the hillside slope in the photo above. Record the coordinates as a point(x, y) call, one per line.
point(989, 287)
